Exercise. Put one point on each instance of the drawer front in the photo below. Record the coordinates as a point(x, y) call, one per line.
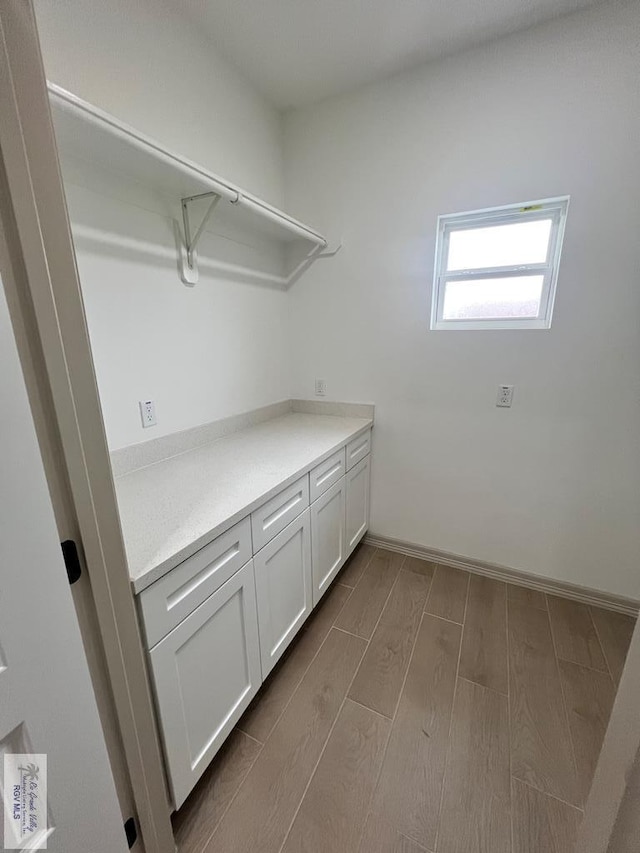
point(283, 589)
point(205, 673)
point(172, 598)
point(358, 449)
point(323, 476)
point(274, 516)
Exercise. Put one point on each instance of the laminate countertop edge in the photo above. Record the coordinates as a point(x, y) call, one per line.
point(173, 508)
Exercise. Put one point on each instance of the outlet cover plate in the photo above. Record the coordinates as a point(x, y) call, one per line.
point(505, 396)
point(148, 413)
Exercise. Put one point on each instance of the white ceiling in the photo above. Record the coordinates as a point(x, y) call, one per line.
point(298, 51)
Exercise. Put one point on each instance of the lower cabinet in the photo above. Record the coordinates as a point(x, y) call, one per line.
point(283, 588)
point(357, 500)
point(328, 537)
point(205, 672)
point(207, 668)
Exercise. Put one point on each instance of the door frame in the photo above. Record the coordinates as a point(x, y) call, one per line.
point(45, 301)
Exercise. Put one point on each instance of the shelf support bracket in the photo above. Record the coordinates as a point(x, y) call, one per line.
point(189, 266)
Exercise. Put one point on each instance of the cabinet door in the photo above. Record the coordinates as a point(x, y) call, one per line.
point(283, 588)
point(357, 499)
point(328, 537)
point(205, 672)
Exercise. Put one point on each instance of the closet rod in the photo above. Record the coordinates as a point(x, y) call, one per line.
point(105, 123)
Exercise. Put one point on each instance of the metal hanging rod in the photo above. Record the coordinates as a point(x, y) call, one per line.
point(82, 128)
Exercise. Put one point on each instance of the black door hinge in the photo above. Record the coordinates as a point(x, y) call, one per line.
point(71, 560)
point(130, 831)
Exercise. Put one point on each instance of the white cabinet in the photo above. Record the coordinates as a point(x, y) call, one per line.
point(217, 624)
point(357, 502)
point(205, 672)
point(172, 598)
point(283, 588)
point(328, 537)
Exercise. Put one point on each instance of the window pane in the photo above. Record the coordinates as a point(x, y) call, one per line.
point(499, 245)
point(493, 298)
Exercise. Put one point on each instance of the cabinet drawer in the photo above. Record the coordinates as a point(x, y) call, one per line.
point(205, 673)
point(274, 516)
point(323, 476)
point(358, 449)
point(172, 598)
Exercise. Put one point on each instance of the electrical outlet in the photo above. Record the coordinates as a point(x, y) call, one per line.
point(505, 396)
point(148, 413)
point(321, 388)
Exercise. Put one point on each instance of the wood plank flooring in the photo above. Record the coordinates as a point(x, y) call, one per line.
point(410, 785)
point(360, 614)
point(420, 710)
point(478, 782)
point(484, 651)
point(575, 634)
point(336, 803)
point(614, 632)
point(542, 823)
point(589, 698)
point(448, 596)
point(541, 751)
point(381, 675)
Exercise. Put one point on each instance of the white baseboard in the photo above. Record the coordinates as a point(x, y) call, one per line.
point(585, 595)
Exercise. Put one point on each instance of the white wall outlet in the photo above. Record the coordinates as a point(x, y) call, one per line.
point(321, 388)
point(148, 413)
point(505, 396)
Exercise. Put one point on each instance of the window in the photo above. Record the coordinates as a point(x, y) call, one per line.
point(497, 268)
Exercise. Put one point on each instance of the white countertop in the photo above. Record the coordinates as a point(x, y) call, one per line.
point(171, 509)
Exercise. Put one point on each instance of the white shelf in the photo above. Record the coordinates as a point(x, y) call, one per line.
point(88, 133)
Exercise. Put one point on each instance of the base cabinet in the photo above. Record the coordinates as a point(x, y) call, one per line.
point(215, 635)
point(328, 537)
point(205, 672)
point(283, 589)
point(357, 502)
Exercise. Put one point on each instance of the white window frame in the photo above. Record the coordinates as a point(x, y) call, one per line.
point(552, 208)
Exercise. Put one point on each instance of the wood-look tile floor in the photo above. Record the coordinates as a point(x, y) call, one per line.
point(420, 709)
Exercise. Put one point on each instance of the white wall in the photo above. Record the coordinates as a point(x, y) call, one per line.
point(200, 353)
point(551, 486)
point(144, 62)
